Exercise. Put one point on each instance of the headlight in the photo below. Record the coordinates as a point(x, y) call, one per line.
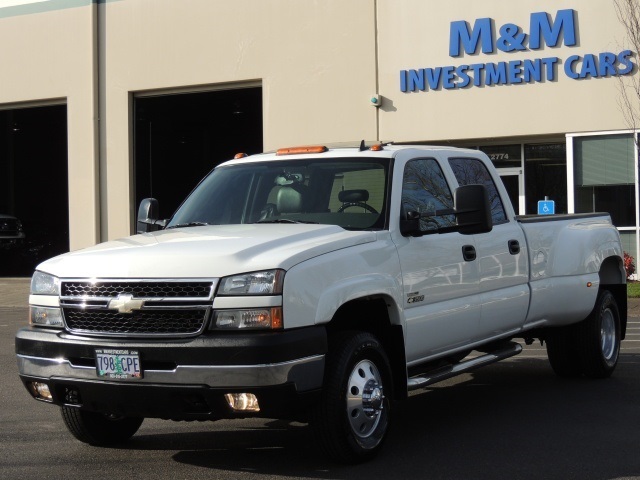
point(44, 284)
point(45, 317)
point(250, 318)
point(268, 282)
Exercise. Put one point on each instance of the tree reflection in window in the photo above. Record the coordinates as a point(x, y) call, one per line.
point(425, 190)
point(471, 171)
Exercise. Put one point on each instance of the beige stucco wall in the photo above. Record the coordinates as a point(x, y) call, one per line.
point(314, 59)
point(318, 63)
point(47, 57)
point(417, 36)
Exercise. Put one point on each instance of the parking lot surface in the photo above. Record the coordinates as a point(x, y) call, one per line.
point(512, 420)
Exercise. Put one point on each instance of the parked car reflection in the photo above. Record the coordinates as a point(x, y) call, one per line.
point(11, 233)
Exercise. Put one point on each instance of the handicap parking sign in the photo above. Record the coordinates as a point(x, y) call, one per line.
point(546, 207)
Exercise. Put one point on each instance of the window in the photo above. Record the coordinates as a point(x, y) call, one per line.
point(425, 190)
point(545, 172)
point(471, 171)
point(344, 192)
point(604, 177)
point(358, 180)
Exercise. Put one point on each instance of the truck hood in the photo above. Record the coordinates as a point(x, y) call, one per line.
point(205, 252)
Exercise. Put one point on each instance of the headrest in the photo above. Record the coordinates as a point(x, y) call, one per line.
point(353, 196)
point(289, 200)
point(289, 178)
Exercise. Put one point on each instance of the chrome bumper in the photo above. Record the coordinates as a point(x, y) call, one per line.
point(306, 373)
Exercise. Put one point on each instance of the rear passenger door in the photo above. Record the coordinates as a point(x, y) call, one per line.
point(502, 256)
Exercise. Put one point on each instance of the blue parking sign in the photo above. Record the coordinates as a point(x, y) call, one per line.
point(546, 207)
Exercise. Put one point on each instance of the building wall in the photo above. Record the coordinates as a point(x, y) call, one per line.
point(314, 60)
point(318, 63)
point(416, 35)
point(47, 56)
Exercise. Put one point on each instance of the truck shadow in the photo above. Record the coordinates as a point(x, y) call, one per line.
point(515, 419)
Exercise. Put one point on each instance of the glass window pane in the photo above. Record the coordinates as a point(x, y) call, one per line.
point(512, 186)
point(350, 194)
point(545, 173)
point(604, 160)
point(471, 171)
point(628, 240)
point(617, 200)
point(425, 190)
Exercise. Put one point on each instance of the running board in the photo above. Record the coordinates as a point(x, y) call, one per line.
point(509, 350)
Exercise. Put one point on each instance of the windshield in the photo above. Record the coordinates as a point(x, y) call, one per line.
point(346, 192)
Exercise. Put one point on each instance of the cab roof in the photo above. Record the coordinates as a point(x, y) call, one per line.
point(321, 151)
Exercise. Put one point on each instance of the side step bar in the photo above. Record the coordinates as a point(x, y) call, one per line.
point(421, 381)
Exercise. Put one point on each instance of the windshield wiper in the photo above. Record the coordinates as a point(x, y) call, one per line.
point(284, 220)
point(189, 224)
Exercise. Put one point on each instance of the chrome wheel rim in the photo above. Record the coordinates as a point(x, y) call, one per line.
point(608, 335)
point(365, 398)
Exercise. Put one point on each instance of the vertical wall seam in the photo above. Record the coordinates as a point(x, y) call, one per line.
point(636, 193)
point(377, 66)
point(95, 30)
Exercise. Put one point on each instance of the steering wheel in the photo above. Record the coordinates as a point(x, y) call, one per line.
point(346, 205)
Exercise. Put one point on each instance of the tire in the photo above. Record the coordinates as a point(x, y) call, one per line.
point(352, 419)
point(563, 353)
point(99, 429)
point(599, 338)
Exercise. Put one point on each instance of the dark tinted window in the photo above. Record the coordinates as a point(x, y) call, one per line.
point(545, 174)
point(425, 190)
point(617, 200)
point(471, 171)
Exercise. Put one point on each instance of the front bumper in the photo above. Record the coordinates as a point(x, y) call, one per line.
point(182, 379)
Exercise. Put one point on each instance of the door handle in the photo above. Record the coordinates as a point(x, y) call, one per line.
point(514, 247)
point(468, 253)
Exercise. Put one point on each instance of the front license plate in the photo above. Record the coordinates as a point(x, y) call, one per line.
point(118, 364)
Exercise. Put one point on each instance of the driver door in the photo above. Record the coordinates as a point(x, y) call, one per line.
point(439, 270)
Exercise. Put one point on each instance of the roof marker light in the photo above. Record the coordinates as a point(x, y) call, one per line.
point(376, 148)
point(299, 150)
point(240, 155)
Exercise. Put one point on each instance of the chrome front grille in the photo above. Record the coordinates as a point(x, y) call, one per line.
point(137, 289)
point(137, 308)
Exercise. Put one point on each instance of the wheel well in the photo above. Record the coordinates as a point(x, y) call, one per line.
point(613, 278)
point(372, 315)
point(612, 271)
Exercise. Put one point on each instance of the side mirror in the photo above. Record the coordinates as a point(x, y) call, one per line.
point(410, 223)
point(148, 216)
point(472, 209)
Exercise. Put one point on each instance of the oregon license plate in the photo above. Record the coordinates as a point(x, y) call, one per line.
point(118, 364)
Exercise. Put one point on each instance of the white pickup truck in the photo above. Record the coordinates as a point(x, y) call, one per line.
point(318, 285)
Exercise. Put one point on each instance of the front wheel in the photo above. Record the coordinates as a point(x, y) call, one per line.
point(352, 418)
point(98, 428)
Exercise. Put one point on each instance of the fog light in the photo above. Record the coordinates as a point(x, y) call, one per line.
point(46, 317)
point(243, 402)
point(40, 391)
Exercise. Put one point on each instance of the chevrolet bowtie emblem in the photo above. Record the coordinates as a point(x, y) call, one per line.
point(125, 303)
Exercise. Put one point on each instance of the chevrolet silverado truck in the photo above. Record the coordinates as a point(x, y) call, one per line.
point(318, 285)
